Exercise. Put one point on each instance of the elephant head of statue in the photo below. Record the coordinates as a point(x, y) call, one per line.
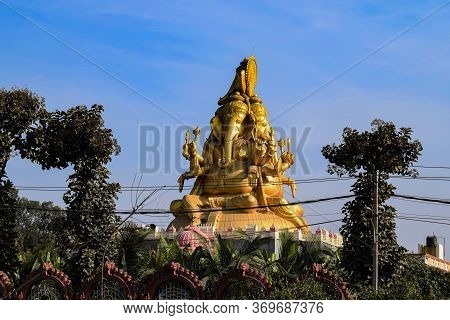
point(227, 125)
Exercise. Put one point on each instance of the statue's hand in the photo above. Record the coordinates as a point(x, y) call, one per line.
point(288, 157)
point(253, 176)
point(192, 149)
point(181, 182)
point(293, 187)
point(252, 180)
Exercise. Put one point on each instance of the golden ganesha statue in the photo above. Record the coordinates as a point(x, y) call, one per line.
point(240, 173)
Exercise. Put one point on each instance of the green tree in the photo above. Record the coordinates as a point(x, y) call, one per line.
point(298, 258)
point(36, 235)
point(9, 247)
point(416, 281)
point(301, 288)
point(153, 259)
point(19, 111)
point(78, 137)
point(38, 224)
point(130, 240)
point(382, 151)
point(222, 255)
point(33, 259)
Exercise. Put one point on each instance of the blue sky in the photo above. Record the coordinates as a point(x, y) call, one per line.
point(182, 55)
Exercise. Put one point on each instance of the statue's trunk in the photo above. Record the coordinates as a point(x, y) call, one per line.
point(227, 144)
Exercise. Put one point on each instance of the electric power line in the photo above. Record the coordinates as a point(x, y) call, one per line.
point(424, 216)
point(150, 212)
point(239, 183)
point(424, 221)
point(432, 167)
point(3, 206)
point(423, 199)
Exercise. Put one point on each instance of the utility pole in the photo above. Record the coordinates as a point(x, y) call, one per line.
point(375, 231)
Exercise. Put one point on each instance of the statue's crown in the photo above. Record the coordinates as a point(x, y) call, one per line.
point(244, 82)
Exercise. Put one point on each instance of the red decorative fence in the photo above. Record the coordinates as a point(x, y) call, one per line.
point(45, 283)
point(111, 284)
point(173, 283)
point(5, 286)
point(243, 273)
point(333, 281)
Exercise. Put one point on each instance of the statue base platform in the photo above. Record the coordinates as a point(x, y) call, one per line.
point(222, 221)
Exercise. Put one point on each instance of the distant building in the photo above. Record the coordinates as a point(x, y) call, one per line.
point(433, 254)
point(326, 238)
point(432, 247)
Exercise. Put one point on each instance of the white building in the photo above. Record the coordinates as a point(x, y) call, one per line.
point(433, 254)
point(194, 236)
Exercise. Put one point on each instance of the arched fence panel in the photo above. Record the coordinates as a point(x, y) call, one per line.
point(173, 283)
point(241, 274)
point(111, 283)
point(5, 286)
point(332, 281)
point(45, 283)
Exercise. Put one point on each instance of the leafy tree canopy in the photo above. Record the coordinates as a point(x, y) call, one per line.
point(383, 148)
point(76, 136)
point(383, 151)
point(19, 111)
